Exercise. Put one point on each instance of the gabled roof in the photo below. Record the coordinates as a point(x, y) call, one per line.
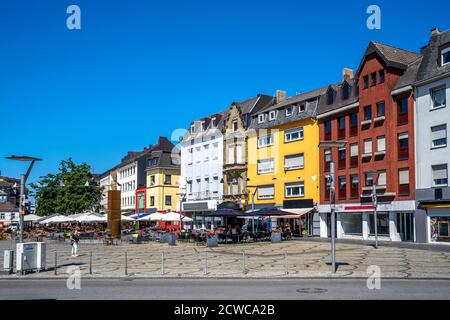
point(392, 56)
point(431, 67)
point(410, 75)
point(339, 101)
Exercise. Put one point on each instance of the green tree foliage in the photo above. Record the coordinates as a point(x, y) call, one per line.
point(66, 192)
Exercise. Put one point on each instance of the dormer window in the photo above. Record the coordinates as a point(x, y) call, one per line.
point(261, 118)
point(302, 107)
point(345, 91)
point(445, 56)
point(289, 111)
point(235, 126)
point(330, 96)
point(272, 115)
point(214, 122)
point(192, 129)
point(203, 126)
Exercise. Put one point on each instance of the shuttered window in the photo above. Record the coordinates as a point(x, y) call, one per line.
point(440, 175)
point(231, 154)
point(294, 161)
point(439, 136)
point(266, 192)
point(403, 176)
point(354, 150)
point(381, 178)
point(239, 154)
point(265, 166)
point(368, 146)
point(381, 143)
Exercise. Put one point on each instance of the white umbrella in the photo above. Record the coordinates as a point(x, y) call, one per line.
point(158, 216)
point(172, 216)
point(31, 218)
point(91, 218)
point(125, 218)
point(57, 219)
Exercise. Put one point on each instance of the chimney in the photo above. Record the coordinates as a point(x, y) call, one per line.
point(435, 32)
point(280, 96)
point(348, 74)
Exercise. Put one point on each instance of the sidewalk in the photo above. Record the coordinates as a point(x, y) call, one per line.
point(293, 259)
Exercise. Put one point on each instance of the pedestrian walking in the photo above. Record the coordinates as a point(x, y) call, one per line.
point(74, 242)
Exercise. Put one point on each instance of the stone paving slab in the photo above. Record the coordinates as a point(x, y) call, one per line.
point(305, 259)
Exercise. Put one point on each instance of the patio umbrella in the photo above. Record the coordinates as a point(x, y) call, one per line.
point(91, 218)
point(57, 219)
point(224, 213)
point(125, 218)
point(270, 212)
point(32, 218)
point(173, 216)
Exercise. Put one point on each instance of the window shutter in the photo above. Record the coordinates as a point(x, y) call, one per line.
point(381, 141)
point(231, 154)
point(296, 161)
point(439, 132)
point(354, 150)
point(368, 146)
point(404, 176)
point(381, 179)
point(266, 191)
point(439, 172)
point(403, 136)
point(239, 153)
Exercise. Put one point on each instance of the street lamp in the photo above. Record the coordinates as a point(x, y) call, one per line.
point(23, 181)
point(375, 203)
point(330, 145)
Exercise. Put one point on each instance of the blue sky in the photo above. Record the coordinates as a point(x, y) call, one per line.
point(138, 69)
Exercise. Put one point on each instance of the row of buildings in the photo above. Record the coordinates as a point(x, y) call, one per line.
point(264, 152)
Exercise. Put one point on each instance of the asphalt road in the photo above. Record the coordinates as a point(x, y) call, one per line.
point(236, 289)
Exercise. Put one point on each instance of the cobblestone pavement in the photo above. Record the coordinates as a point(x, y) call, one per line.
point(298, 259)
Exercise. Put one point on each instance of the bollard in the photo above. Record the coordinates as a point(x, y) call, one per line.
point(56, 263)
point(90, 262)
point(162, 263)
point(206, 262)
point(126, 263)
point(286, 266)
point(243, 261)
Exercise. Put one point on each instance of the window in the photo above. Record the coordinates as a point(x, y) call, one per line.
point(354, 187)
point(266, 192)
point(403, 146)
point(265, 141)
point(367, 113)
point(152, 180)
point(341, 123)
point(402, 106)
point(373, 78)
point(154, 162)
point(327, 128)
point(351, 223)
point(368, 146)
point(231, 153)
point(342, 187)
point(261, 118)
point(354, 155)
point(381, 143)
point(341, 126)
point(239, 158)
point(381, 181)
point(440, 175)
point(353, 124)
point(369, 179)
point(345, 91)
point(380, 109)
point(302, 107)
point(293, 134)
point(381, 74)
point(330, 96)
point(342, 157)
point(439, 136)
point(168, 179)
point(293, 190)
point(445, 56)
point(289, 111)
point(294, 162)
point(168, 200)
point(328, 159)
point(403, 181)
point(265, 166)
point(214, 122)
point(203, 125)
point(438, 98)
point(272, 115)
point(235, 126)
point(366, 82)
point(192, 129)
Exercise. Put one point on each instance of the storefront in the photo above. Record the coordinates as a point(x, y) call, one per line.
point(439, 222)
point(394, 223)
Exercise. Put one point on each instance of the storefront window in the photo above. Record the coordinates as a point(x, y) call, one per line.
point(351, 223)
point(382, 224)
point(439, 229)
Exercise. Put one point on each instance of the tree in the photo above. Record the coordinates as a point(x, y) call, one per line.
point(71, 190)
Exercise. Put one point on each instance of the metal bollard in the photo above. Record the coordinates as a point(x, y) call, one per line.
point(286, 266)
point(162, 263)
point(126, 263)
point(56, 263)
point(90, 262)
point(206, 262)
point(243, 261)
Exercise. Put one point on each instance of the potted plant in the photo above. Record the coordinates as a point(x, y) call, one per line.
point(275, 237)
point(171, 238)
point(212, 240)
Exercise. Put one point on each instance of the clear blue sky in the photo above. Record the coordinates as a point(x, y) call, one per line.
point(139, 69)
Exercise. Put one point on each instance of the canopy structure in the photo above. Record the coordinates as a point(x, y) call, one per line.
point(271, 212)
point(224, 213)
point(57, 219)
point(91, 219)
point(32, 218)
point(138, 216)
point(173, 216)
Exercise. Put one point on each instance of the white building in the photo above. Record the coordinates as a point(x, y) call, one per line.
point(130, 176)
point(432, 122)
point(202, 166)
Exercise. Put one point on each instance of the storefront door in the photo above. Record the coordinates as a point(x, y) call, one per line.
point(405, 226)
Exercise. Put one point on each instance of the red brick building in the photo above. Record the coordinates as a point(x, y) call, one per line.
point(373, 112)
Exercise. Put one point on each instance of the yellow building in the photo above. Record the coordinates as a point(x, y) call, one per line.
point(163, 174)
point(283, 159)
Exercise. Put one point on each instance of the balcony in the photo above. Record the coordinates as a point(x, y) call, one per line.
point(204, 195)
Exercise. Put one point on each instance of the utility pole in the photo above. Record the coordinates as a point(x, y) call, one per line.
point(333, 218)
point(375, 203)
